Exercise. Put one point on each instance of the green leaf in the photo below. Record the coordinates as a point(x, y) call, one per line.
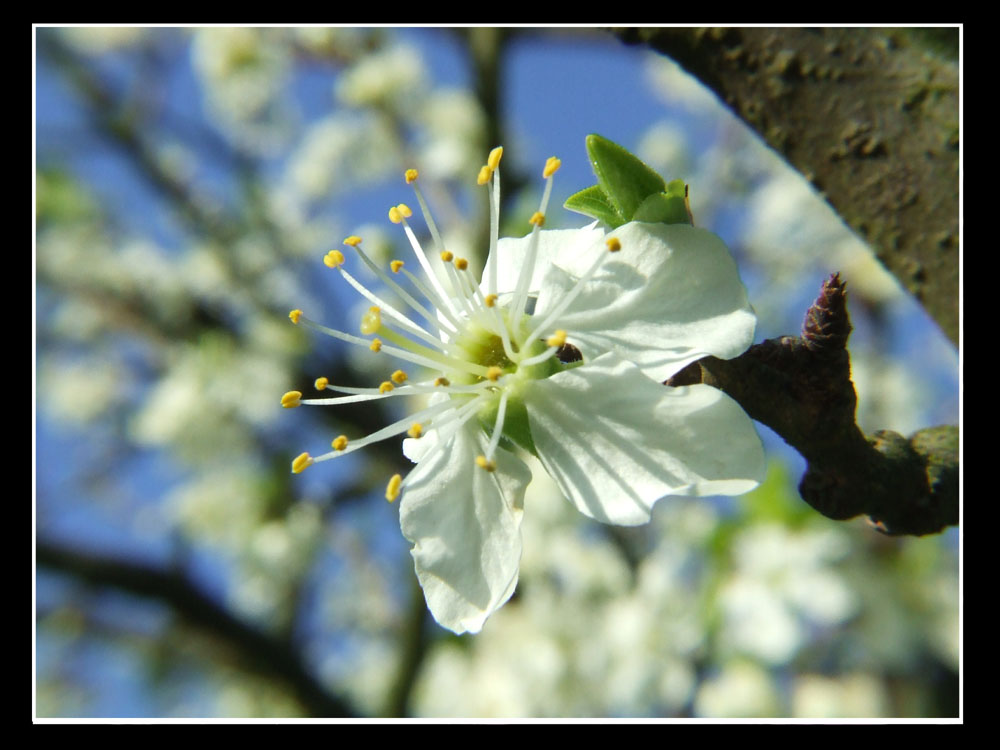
point(593, 202)
point(668, 207)
point(623, 178)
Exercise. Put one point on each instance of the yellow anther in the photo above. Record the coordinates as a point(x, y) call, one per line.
point(484, 174)
point(493, 160)
point(404, 210)
point(291, 399)
point(376, 345)
point(461, 264)
point(353, 240)
point(410, 175)
point(333, 258)
point(396, 265)
point(398, 377)
point(321, 383)
point(442, 381)
point(301, 462)
point(371, 321)
point(491, 299)
point(395, 216)
point(446, 256)
point(494, 373)
point(557, 339)
point(385, 387)
point(614, 244)
point(552, 165)
point(537, 218)
point(483, 463)
point(416, 430)
point(392, 489)
point(339, 443)
point(294, 315)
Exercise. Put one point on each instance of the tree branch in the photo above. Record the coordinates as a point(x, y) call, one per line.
point(260, 652)
point(868, 116)
point(801, 388)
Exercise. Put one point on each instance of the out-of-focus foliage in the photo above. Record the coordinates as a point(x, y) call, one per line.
point(188, 183)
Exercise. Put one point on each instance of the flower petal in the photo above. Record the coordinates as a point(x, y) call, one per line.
point(617, 441)
point(464, 523)
point(511, 253)
point(670, 296)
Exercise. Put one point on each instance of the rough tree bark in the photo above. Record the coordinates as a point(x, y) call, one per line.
point(868, 116)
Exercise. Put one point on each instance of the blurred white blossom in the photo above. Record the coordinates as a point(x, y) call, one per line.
point(741, 689)
point(783, 583)
point(244, 74)
point(852, 696)
point(393, 79)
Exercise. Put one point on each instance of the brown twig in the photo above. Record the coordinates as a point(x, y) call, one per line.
point(801, 388)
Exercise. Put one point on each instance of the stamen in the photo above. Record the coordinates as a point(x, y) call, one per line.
point(445, 358)
point(492, 316)
point(428, 219)
point(614, 245)
point(291, 399)
point(415, 431)
point(404, 210)
point(450, 424)
point(396, 428)
point(398, 377)
point(425, 357)
point(294, 316)
point(339, 442)
point(385, 387)
point(429, 316)
point(497, 427)
point(484, 175)
point(441, 300)
point(300, 463)
point(446, 256)
point(494, 198)
point(410, 326)
point(556, 339)
point(392, 489)
point(538, 358)
point(376, 345)
point(396, 265)
point(321, 383)
point(552, 165)
point(360, 395)
point(461, 264)
point(494, 373)
point(371, 321)
point(334, 259)
point(462, 296)
point(483, 463)
point(524, 279)
point(493, 161)
point(442, 381)
point(353, 240)
point(425, 290)
point(410, 175)
point(491, 299)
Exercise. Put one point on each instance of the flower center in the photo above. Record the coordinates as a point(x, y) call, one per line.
point(487, 348)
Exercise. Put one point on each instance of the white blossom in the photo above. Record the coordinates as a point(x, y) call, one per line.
point(559, 351)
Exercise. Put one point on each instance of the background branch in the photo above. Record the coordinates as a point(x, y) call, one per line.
point(259, 651)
